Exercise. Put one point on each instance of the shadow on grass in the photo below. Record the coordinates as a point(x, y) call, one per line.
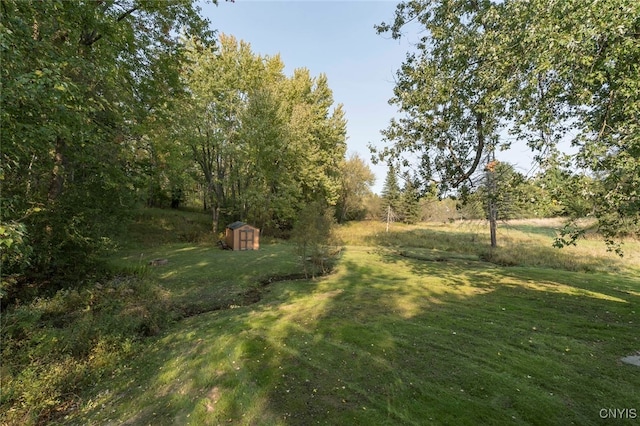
point(447, 245)
point(391, 340)
point(534, 229)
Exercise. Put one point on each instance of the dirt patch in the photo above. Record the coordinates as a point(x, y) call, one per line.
point(277, 278)
point(213, 396)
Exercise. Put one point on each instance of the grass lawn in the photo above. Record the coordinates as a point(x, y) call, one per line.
point(201, 278)
point(413, 327)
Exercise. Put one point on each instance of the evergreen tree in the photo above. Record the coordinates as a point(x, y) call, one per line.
point(391, 191)
point(409, 202)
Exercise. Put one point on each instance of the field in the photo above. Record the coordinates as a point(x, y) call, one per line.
point(421, 325)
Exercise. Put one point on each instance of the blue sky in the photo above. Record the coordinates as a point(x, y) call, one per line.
point(336, 38)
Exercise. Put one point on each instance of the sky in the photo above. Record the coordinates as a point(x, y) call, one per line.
point(336, 38)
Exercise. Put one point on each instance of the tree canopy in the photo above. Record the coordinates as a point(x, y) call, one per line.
point(106, 104)
point(78, 79)
point(264, 144)
point(542, 71)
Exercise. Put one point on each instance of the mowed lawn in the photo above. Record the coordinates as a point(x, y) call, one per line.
point(413, 327)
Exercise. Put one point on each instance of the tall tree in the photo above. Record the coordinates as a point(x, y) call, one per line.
point(317, 134)
point(356, 180)
point(446, 91)
point(547, 70)
point(579, 76)
point(77, 78)
point(409, 201)
point(265, 144)
point(391, 191)
point(220, 82)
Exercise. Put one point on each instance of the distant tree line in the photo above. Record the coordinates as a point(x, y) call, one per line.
point(553, 192)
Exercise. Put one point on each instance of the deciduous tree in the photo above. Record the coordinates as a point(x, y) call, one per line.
point(546, 70)
point(356, 179)
point(77, 78)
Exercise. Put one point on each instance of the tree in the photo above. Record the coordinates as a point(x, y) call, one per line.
point(546, 70)
point(409, 201)
point(317, 135)
point(446, 90)
point(220, 82)
point(356, 179)
point(77, 79)
point(391, 191)
point(588, 64)
point(265, 144)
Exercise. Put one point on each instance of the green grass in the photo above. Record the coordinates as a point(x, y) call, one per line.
point(413, 327)
point(394, 341)
point(201, 277)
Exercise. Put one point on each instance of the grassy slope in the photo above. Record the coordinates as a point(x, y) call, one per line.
point(438, 337)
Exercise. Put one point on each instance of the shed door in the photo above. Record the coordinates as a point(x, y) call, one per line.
point(246, 239)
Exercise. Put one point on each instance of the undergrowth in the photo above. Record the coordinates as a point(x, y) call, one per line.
point(58, 346)
point(54, 348)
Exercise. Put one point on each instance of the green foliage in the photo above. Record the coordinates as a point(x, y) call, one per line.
point(409, 202)
point(391, 190)
point(15, 255)
point(77, 82)
point(263, 144)
point(547, 71)
point(373, 204)
point(402, 204)
point(446, 91)
point(356, 179)
point(56, 348)
point(312, 235)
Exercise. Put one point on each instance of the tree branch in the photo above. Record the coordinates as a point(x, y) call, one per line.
point(479, 151)
point(89, 39)
point(127, 13)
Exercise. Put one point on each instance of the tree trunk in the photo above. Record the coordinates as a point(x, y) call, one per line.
point(492, 205)
point(215, 218)
point(493, 217)
point(56, 185)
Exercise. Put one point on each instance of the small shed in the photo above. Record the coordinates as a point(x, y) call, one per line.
point(240, 236)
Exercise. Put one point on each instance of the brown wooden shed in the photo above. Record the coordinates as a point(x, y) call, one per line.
point(240, 236)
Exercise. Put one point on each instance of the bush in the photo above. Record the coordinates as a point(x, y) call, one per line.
point(312, 234)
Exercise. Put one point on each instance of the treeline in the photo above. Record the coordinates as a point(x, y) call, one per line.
point(552, 192)
point(254, 144)
point(109, 105)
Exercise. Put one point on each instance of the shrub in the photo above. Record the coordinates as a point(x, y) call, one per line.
point(312, 234)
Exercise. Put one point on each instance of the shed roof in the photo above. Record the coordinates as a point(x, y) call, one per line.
point(236, 225)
